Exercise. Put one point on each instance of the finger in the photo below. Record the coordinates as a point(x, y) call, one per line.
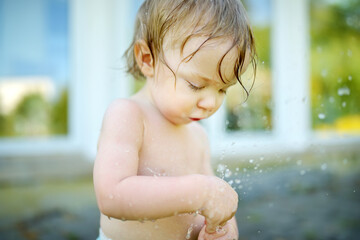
point(210, 229)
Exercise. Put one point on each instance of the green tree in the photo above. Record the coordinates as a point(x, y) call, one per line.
point(335, 57)
point(59, 114)
point(31, 116)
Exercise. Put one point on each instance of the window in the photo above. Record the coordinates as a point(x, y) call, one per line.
point(34, 69)
point(335, 61)
point(254, 113)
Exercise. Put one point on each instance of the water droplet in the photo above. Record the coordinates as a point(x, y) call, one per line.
point(251, 160)
point(228, 173)
point(302, 172)
point(349, 77)
point(343, 91)
point(197, 212)
point(221, 168)
point(299, 162)
point(219, 229)
point(343, 104)
point(324, 166)
point(237, 181)
point(324, 73)
point(321, 116)
point(331, 99)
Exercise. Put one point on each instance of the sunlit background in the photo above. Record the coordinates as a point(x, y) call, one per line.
point(291, 150)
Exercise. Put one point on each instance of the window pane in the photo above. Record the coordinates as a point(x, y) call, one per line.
point(254, 113)
point(335, 61)
point(34, 69)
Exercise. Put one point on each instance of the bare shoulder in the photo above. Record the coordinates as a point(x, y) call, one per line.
point(122, 123)
point(123, 111)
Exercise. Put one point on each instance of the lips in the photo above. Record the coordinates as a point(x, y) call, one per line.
point(195, 119)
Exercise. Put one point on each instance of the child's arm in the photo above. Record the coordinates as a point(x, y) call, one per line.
point(231, 225)
point(124, 195)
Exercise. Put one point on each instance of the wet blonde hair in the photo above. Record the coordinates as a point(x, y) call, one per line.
point(184, 19)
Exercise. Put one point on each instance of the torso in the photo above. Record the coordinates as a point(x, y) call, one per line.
point(167, 150)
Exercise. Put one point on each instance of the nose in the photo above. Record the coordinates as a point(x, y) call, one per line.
point(208, 103)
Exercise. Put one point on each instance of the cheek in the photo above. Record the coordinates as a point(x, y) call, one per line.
point(219, 101)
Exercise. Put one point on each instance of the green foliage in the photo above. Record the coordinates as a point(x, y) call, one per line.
point(30, 117)
point(335, 61)
point(36, 116)
point(262, 41)
point(255, 114)
point(59, 114)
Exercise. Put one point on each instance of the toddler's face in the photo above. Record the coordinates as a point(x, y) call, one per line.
point(198, 91)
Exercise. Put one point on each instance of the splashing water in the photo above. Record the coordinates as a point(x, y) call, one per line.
point(221, 169)
point(343, 91)
point(324, 166)
point(190, 229)
point(321, 116)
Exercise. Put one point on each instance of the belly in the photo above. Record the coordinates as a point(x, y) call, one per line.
point(181, 227)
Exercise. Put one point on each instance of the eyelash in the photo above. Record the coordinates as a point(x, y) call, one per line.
point(194, 88)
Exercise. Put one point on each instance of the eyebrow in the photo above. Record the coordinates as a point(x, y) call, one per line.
point(206, 79)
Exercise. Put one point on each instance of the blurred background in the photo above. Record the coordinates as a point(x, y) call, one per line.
point(291, 150)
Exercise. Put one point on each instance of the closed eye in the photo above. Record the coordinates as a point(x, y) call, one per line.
point(193, 87)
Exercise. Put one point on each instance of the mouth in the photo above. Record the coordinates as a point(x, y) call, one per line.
point(195, 119)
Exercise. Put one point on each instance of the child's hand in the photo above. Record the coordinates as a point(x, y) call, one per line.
point(221, 204)
point(228, 232)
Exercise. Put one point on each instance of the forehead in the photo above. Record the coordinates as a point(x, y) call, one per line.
point(205, 62)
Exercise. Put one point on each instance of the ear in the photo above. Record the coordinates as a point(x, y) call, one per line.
point(144, 58)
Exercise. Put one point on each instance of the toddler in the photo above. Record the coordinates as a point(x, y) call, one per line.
point(152, 174)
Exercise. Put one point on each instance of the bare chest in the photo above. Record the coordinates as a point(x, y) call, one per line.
point(168, 151)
